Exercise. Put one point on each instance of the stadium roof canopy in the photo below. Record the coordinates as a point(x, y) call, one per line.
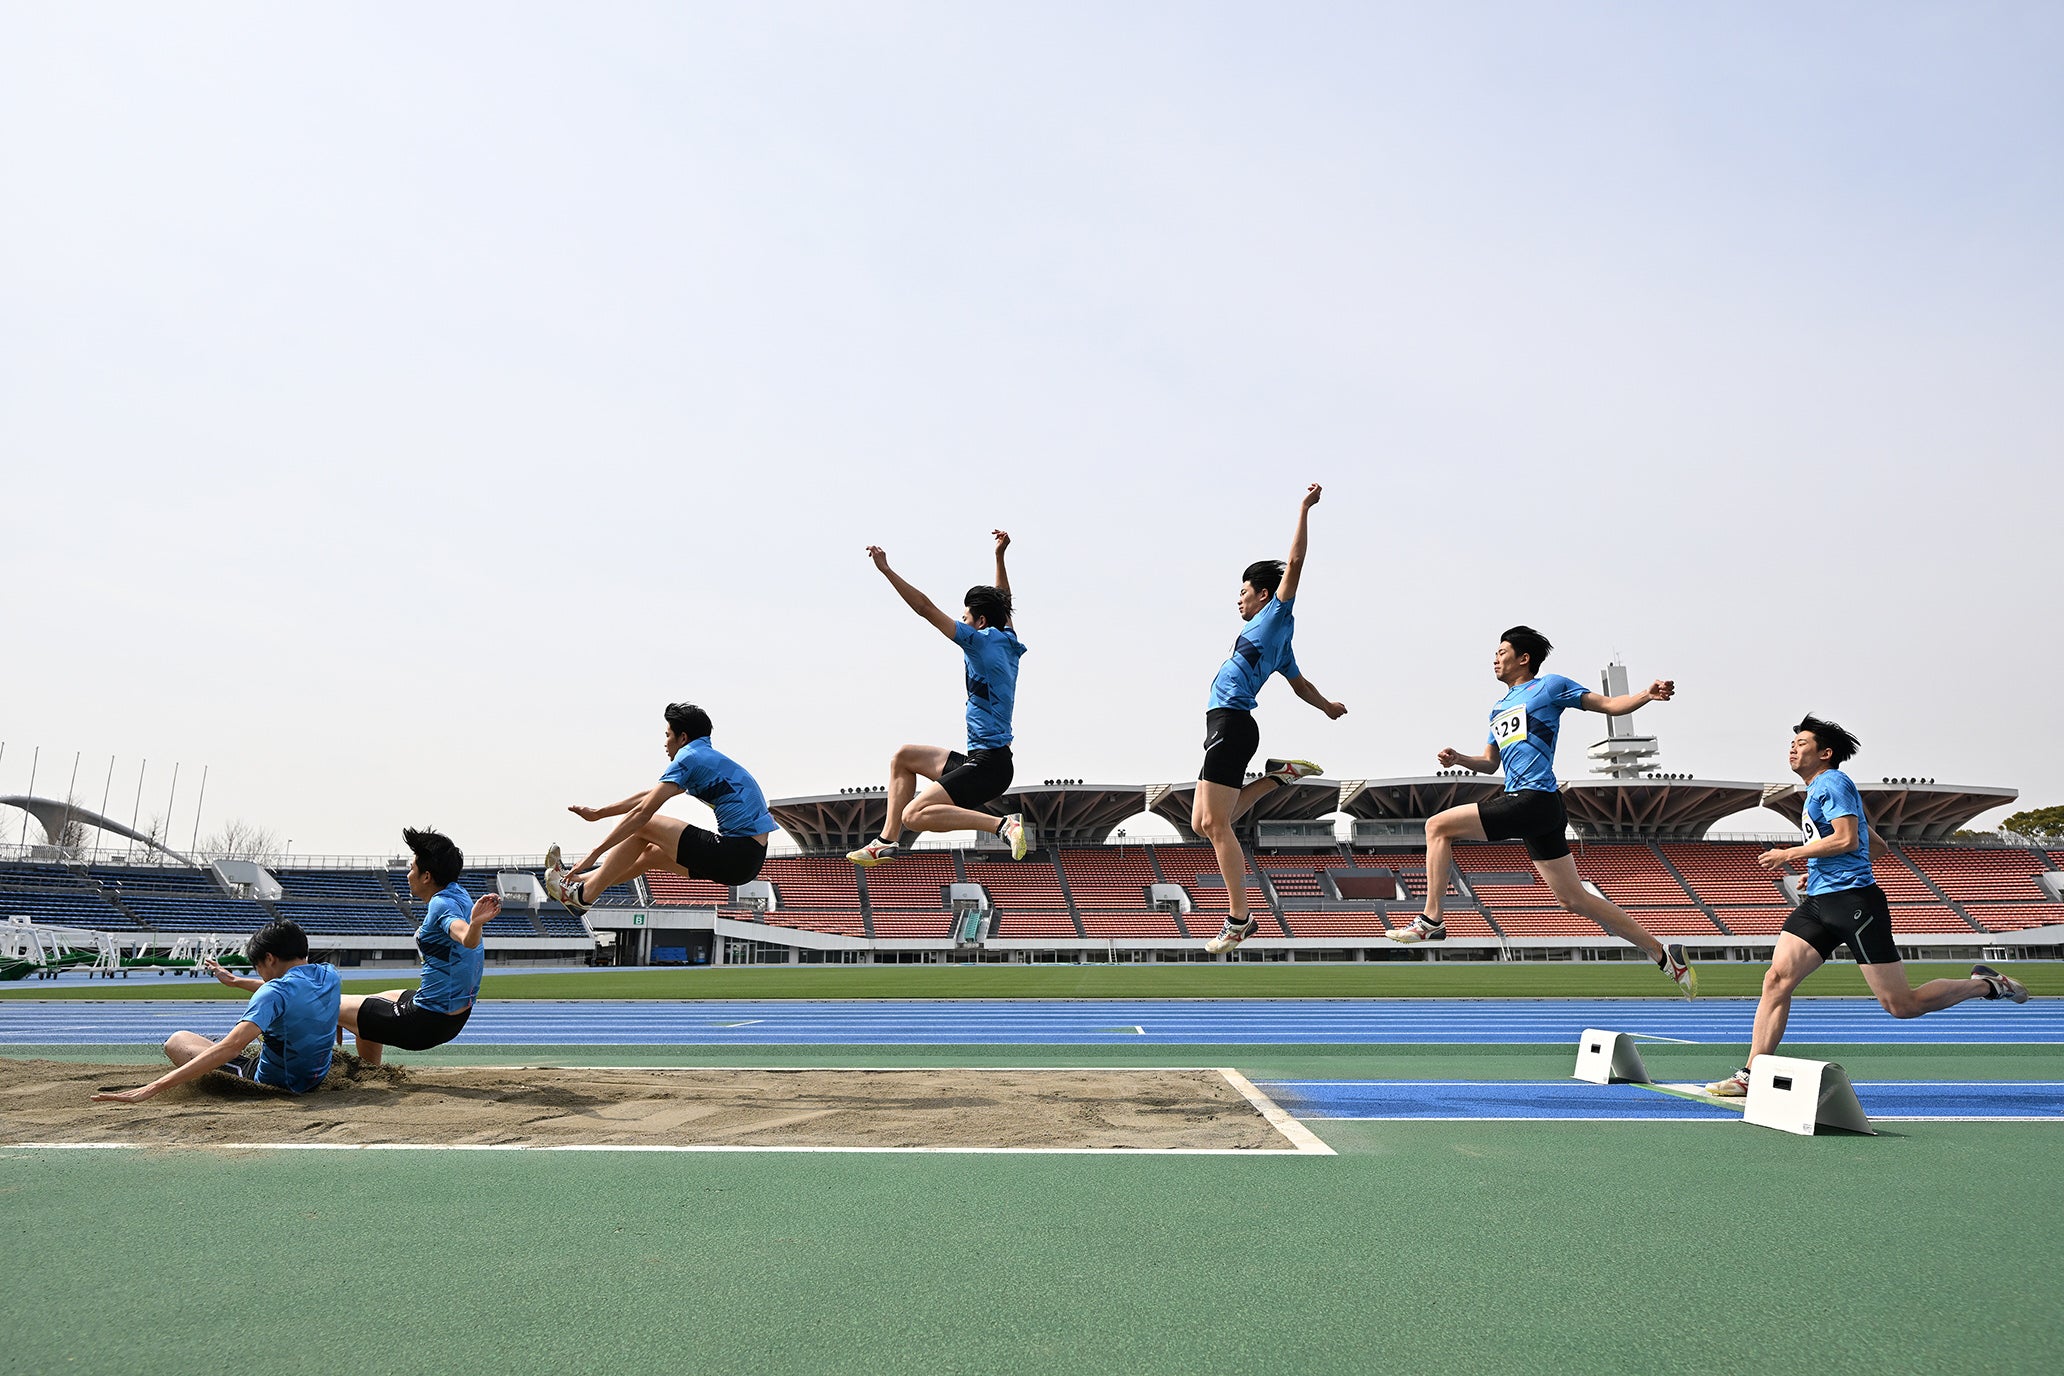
point(1910, 812)
point(54, 815)
point(1599, 809)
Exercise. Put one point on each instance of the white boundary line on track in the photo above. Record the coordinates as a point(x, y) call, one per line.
point(1301, 1137)
point(652, 1148)
point(1624, 1118)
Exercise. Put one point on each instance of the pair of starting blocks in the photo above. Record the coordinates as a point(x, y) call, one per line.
point(1785, 1092)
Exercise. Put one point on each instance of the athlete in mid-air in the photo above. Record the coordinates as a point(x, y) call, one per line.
point(644, 840)
point(1524, 727)
point(961, 782)
point(453, 959)
point(1843, 905)
point(1267, 590)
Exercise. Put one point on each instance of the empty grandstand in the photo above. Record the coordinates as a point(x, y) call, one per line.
point(1332, 866)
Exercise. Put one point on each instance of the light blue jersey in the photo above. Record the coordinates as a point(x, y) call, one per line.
point(1262, 649)
point(992, 655)
point(451, 970)
point(702, 771)
point(1524, 726)
point(297, 1013)
point(1833, 794)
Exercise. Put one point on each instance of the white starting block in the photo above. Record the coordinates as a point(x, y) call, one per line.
point(1795, 1095)
point(1605, 1058)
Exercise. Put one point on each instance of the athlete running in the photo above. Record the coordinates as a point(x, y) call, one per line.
point(1843, 906)
point(1524, 727)
point(1267, 591)
point(961, 782)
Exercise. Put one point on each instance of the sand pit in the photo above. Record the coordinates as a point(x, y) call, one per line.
point(51, 1101)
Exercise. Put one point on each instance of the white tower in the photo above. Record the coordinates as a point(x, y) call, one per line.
point(1623, 754)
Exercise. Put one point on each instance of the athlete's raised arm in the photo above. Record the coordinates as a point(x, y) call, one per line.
point(596, 814)
point(1662, 690)
point(1003, 574)
point(1309, 691)
point(1293, 567)
point(914, 599)
point(1486, 763)
point(485, 909)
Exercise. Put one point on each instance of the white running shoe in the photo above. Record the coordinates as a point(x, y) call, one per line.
point(1231, 935)
point(556, 885)
point(1420, 930)
point(1999, 985)
point(1290, 771)
point(1017, 833)
point(873, 853)
point(1734, 1086)
point(1678, 968)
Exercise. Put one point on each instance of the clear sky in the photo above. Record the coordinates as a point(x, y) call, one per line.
point(399, 404)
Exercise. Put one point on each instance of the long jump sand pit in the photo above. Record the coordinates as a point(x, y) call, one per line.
point(560, 1107)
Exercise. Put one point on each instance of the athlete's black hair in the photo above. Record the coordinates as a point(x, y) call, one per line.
point(688, 720)
point(1837, 740)
point(993, 605)
point(1525, 640)
point(1265, 574)
point(435, 854)
point(282, 940)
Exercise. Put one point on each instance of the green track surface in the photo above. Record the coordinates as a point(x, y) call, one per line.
point(1258, 980)
point(1468, 1248)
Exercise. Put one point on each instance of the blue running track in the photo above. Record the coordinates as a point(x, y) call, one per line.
point(1463, 1099)
point(1180, 1022)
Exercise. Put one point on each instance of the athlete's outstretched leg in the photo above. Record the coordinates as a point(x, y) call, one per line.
point(906, 766)
point(1888, 980)
point(1443, 829)
point(1211, 816)
point(1561, 874)
point(653, 846)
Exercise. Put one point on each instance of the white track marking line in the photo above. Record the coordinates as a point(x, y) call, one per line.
point(1251, 1153)
point(1652, 1037)
point(1300, 1136)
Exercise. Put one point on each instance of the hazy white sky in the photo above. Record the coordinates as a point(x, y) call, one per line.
point(399, 404)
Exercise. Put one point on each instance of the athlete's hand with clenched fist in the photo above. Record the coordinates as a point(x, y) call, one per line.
point(1002, 540)
point(1775, 860)
point(1449, 757)
point(1312, 495)
point(1334, 710)
point(1662, 690)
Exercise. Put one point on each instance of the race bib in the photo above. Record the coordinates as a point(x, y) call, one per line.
point(1509, 727)
point(1812, 831)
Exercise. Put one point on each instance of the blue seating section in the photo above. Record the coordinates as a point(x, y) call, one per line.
point(195, 913)
point(79, 908)
point(559, 922)
point(348, 919)
point(154, 879)
point(357, 886)
point(40, 877)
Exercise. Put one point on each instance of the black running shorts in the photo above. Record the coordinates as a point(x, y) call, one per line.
point(1532, 815)
point(731, 860)
point(399, 1023)
point(1230, 740)
point(977, 777)
point(1858, 917)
